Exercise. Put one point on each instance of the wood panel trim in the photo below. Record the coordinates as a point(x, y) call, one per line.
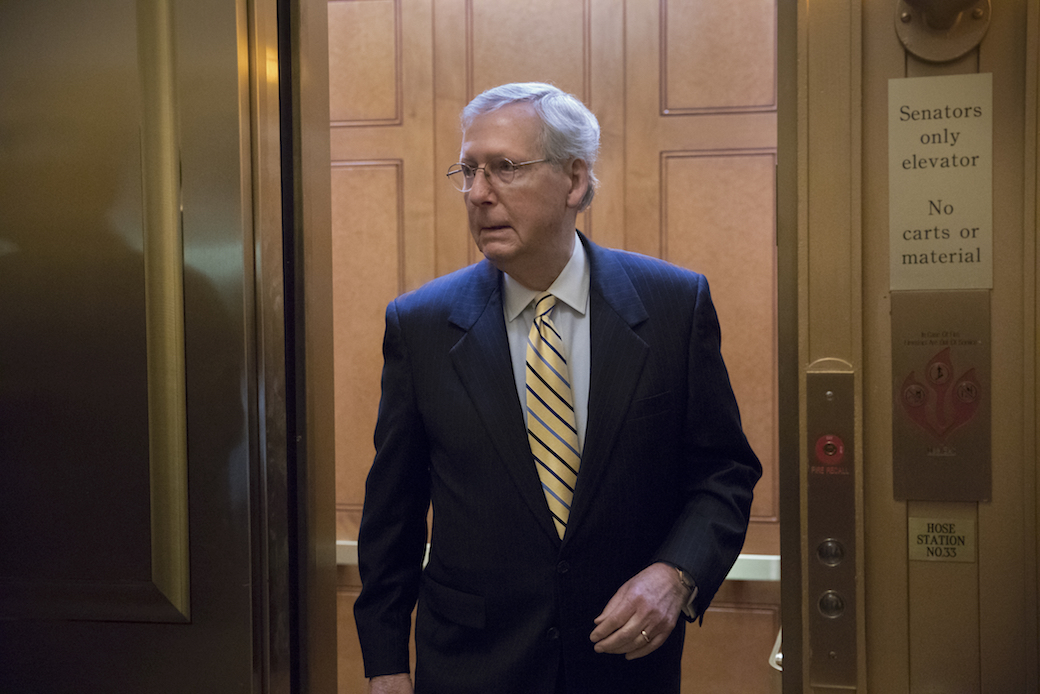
point(586, 74)
point(586, 49)
point(703, 110)
point(398, 165)
point(468, 42)
point(665, 189)
point(398, 118)
point(668, 155)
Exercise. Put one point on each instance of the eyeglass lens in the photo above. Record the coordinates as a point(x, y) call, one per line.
point(501, 171)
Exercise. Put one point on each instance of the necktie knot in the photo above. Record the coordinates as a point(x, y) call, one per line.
point(544, 304)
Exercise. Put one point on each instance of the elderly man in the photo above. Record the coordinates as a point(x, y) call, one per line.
point(566, 410)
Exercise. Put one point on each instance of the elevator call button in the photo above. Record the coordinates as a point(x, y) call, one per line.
point(830, 552)
point(830, 449)
point(832, 605)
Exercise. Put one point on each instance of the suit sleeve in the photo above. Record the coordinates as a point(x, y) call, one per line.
point(392, 535)
point(720, 469)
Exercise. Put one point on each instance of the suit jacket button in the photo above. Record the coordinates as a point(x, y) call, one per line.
point(552, 634)
point(563, 567)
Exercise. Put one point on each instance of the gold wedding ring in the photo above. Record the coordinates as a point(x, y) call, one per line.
point(645, 637)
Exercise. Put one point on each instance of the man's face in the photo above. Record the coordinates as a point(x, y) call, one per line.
point(526, 227)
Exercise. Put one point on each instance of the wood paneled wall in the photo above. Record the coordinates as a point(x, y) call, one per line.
point(686, 97)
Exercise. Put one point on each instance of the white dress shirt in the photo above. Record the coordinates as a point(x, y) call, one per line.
point(571, 318)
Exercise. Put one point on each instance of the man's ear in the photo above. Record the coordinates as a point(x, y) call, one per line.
point(578, 171)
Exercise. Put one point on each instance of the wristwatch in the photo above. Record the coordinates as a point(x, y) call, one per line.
point(687, 581)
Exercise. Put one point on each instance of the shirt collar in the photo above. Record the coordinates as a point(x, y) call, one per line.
point(571, 286)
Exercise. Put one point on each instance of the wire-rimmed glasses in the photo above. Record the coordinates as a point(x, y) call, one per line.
point(497, 171)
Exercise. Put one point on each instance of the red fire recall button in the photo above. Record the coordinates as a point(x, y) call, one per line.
point(830, 449)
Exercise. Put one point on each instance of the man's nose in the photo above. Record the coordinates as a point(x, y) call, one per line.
point(481, 191)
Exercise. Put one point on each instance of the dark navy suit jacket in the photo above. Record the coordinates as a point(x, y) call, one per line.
point(666, 475)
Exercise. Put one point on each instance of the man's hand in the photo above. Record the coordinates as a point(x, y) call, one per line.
point(391, 684)
point(642, 613)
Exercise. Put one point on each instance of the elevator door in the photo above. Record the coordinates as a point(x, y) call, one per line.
point(127, 469)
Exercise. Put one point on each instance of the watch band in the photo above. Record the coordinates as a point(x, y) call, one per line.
point(684, 579)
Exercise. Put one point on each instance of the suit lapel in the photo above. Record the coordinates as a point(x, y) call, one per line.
point(481, 359)
point(617, 358)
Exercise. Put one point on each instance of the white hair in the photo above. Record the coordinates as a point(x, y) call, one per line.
point(569, 128)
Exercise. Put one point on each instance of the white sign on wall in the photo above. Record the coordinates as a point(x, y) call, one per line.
point(937, 539)
point(940, 182)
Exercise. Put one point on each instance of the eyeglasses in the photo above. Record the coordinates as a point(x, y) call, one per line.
point(497, 172)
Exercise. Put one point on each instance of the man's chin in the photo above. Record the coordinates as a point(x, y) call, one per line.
point(497, 251)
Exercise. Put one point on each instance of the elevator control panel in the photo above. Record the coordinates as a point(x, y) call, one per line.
point(831, 529)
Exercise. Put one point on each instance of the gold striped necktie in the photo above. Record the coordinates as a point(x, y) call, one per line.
point(550, 413)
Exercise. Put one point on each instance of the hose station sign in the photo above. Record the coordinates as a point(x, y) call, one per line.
point(941, 539)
